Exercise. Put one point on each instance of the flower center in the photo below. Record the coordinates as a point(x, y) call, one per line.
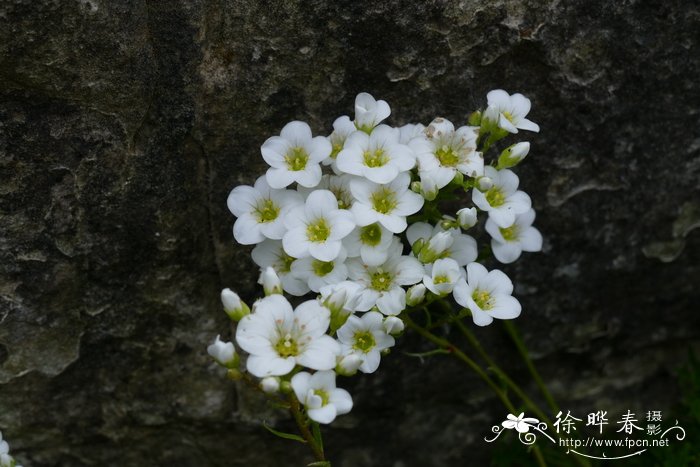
point(495, 197)
point(321, 268)
point(287, 346)
point(267, 211)
point(384, 200)
point(510, 234)
point(318, 231)
point(509, 116)
point(364, 341)
point(376, 158)
point(343, 197)
point(325, 398)
point(284, 263)
point(296, 159)
point(371, 235)
point(380, 281)
point(337, 147)
point(447, 156)
point(482, 299)
point(441, 280)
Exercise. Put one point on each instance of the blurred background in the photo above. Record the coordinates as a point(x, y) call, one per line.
point(124, 125)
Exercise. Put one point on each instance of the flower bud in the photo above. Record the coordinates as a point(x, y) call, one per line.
point(393, 325)
point(285, 387)
point(467, 218)
point(270, 384)
point(348, 364)
point(458, 178)
point(415, 295)
point(270, 281)
point(234, 307)
point(512, 155)
point(224, 353)
point(416, 187)
point(428, 188)
point(484, 183)
point(474, 119)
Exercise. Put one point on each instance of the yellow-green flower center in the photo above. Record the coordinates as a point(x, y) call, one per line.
point(380, 281)
point(296, 159)
point(495, 197)
point(325, 397)
point(364, 341)
point(284, 263)
point(267, 211)
point(341, 195)
point(511, 233)
point(384, 200)
point(376, 158)
point(371, 235)
point(441, 280)
point(287, 346)
point(321, 268)
point(447, 156)
point(482, 299)
point(318, 231)
point(509, 116)
point(337, 147)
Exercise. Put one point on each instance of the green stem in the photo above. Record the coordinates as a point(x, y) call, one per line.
point(449, 347)
point(295, 409)
point(520, 345)
point(500, 373)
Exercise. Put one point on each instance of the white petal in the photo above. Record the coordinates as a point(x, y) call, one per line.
point(279, 177)
point(506, 252)
point(319, 204)
point(342, 401)
point(531, 239)
point(300, 384)
point(506, 307)
point(262, 366)
point(310, 176)
point(364, 215)
point(319, 148)
point(312, 318)
point(526, 124)
point(320, 354)
point(296, 243)
point(392, 302)
point(242, 199)
point(381, 175)
point(296, 132)
point(325, 251)
point(246, 230)
point(370, 361)
point(393, 223)
point(325, 414)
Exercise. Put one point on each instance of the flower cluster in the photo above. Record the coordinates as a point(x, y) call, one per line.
point(356, 218)
point(6, 460)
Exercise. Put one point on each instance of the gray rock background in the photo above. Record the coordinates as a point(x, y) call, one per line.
point(123, 125)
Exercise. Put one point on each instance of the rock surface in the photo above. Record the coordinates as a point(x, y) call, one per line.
point(123, 125)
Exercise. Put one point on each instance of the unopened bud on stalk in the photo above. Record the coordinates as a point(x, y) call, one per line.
point(467, 218)
point(484, 183)
point(348, 365)
point(270, 384)
point(393, 325)
point(234, 307)
point(415, 295)
point(270, 281)
point(223, 353)
point(512, 155)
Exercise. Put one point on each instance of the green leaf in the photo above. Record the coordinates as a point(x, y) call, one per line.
point(284, 435)
point(316, 429)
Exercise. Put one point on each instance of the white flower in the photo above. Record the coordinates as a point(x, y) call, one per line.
point(278, 338)
point(520, 423)
point(317, 227)
point(366, 338)
point(319, 273)
point(508, 243)
point(393, 325)
point(503, 200)
point(440, 243)
point(429, 184)
point(445, 151)
point(370, 242)
point(512, 155)
point(378, 157)
point(342, 128)
point(381, 285)
point(369, 112)
point(271, 253)
point(294, 156)
point(410, 131)
point(322, 399)
point(487, 294)
point(339, 185)
point(341, 299)
point(260, 211)
point(234, 307)
point(509, 112)
point(467, 218)
point(387, 204)
point(223, 352)
point(270, 281)
point(445, 273)
point(270, 384)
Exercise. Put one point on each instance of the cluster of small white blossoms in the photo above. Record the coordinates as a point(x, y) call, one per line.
point(355, 219)
point(6, 460)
